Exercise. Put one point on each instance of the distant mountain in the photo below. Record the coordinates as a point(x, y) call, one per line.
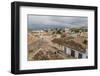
point(44, 27)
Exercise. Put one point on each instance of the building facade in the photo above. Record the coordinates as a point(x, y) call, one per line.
point(75, 53)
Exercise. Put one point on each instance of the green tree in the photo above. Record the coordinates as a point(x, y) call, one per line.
point(85, 42)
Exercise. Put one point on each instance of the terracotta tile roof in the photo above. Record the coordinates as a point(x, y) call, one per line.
point(71, 43)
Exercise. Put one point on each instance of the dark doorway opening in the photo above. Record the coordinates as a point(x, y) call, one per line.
point(73, 53)
point(80, 55)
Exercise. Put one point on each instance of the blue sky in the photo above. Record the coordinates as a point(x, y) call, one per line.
point(47, 21)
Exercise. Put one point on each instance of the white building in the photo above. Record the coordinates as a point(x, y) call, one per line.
point(75, 53)
point(66, 29)
point(72, 48)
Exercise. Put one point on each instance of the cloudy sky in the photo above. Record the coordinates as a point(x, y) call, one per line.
point(41, 20)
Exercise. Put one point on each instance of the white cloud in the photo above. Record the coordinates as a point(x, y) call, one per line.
point(56, 20)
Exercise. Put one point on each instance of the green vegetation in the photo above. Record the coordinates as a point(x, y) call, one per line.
point(77, 30)
point(85, 42)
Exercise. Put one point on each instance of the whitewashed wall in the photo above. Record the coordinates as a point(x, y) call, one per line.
point(68, 51)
